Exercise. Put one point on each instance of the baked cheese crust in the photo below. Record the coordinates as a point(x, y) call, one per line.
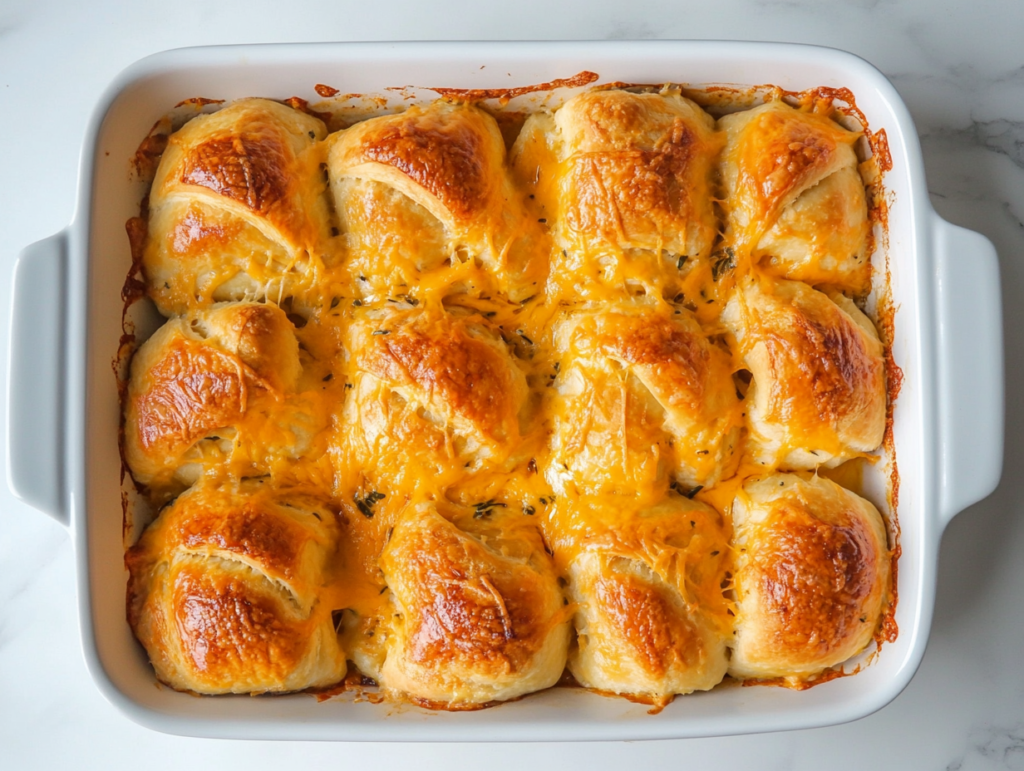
point(467, 414)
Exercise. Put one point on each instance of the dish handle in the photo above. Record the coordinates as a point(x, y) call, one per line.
point(970, 367)
point(35, 377)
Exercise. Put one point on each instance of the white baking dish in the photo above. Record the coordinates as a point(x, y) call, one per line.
point(63, 406)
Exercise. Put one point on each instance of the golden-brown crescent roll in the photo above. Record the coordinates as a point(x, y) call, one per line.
point(214, 385)
point(818, 394)
point(479, 617)
point(811, 577)
point(651, 617)
point(237, 208)
point(623, 175)
point(224, 588)
point(643, 400)
point(426, 188)
point(794, 198)
point(431, 390)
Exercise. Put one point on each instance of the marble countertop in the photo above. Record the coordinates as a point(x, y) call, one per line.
point(960, 68)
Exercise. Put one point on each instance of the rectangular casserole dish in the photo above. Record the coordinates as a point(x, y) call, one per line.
point(63, 410)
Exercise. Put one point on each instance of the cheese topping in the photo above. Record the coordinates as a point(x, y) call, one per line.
point(530, 383)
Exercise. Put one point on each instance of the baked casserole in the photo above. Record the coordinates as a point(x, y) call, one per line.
point(471, 408)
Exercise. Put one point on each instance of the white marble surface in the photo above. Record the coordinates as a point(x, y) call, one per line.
point(959, 66)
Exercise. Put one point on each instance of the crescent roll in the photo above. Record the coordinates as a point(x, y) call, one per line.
point(811, 576)
point(223, 592)
point(625, 177)
point(479, 617)
point(216, 385)
point(427, 188)
point(651, 617)
point(237, 208)
point(818, 393)
point(643, 400)
point(793, 196)
point(431, 390)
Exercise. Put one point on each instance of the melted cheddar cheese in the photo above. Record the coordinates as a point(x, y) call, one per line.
point(527, 386)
